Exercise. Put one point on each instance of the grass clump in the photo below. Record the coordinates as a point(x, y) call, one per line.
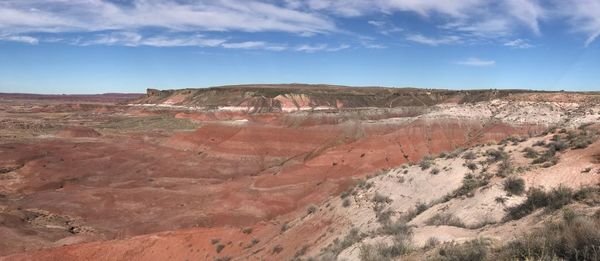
point(434, 171)
point(496, 155)
point(346, 203)
point(445, 219)
point(469, 155)
point(333, 250)
point(379, 198)
point(537, 198)
point(514, 185)
point(530, 153)
point(426, 163)
point(470, 183)
point(505, 168)
point(277, 249)
point(247, 230)
point(573, 238)
point(474, 250)
point(311, 209)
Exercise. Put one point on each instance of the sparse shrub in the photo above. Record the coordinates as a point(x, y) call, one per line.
point(220, 248)
point(434, 171)
point(384, 216)
point(495, 155)
point(301, 251)
point(577, 239)
point(285, 227)
point(331, 251)
point(311, 209)
point(474, 250)
point(401, 179)
point(247, 230)
point(514, 185)
point(277, 249)
point(530, 153)
point(539, 143)
point(537, 198)
point(559, 197)
point(425, 164)
point(557, 145)
point(420, 207)
point(431, 243)
point(469, 155)
point(505, 168)
point(500, 200)
point(379, 198)
point(396, 228)
point(214, 241)
point(346, 193)
point(455, 153)
point(346, 203)
point(470, 183)
point(471, 165)
point(446, 219)
point(363, 184)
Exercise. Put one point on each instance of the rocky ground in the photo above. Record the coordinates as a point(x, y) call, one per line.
point(113, 181)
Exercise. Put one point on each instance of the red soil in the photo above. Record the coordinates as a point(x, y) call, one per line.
point(220, 178)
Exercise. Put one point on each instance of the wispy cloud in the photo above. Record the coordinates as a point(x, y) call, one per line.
point(519, 44)
point(384, 27)
point(255, 45)
point(320, 47)
point(457, 21)
point(136, 39)
point(433, 41)
point(19, 38)
point(584, 17)
point(200, 15)
point(476, 62)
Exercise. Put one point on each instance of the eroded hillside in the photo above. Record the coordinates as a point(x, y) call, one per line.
point(272, 173)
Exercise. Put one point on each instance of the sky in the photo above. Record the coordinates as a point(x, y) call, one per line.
point(100, 46)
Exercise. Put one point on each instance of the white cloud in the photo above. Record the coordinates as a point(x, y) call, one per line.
point(584, 17)
point(320, 47)
point(384, 27)
point(19, 38)
point(255, 45)
point(527, 11)
point(468, 21)
point(136, 39)
point(433, 41)
point(476, 62)
point(198, 15)
point(518, 43)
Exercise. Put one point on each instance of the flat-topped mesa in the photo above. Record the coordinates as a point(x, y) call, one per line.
point(264, 98)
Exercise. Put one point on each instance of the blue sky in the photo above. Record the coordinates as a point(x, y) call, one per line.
point(97, 46)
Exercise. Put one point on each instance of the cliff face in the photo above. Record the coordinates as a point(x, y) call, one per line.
point(293, 97)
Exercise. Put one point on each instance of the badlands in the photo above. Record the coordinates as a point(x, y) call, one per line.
point(301, 172)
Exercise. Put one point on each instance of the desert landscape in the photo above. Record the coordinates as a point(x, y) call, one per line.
point(301, 172)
